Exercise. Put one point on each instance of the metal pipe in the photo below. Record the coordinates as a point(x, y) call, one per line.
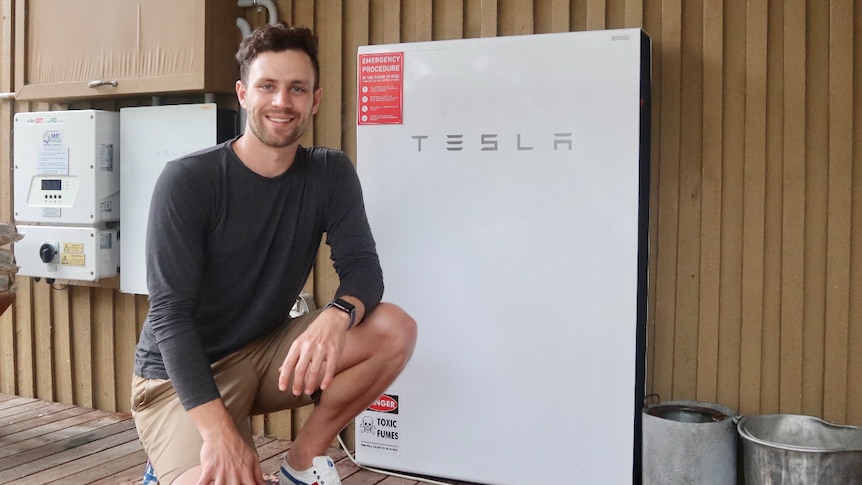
point(269, 4)
point(10, 95)
point(243, 26)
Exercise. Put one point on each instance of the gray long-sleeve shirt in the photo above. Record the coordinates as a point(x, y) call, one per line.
point(228, 252)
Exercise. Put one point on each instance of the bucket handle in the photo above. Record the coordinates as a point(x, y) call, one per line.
point(648, 396)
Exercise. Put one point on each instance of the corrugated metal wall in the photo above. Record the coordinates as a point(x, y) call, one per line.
point(756, 230)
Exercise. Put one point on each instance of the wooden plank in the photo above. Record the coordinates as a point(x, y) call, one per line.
point(25, 363)
point(104, 374)
point(125, 339)
point(417, 22)
point(23, 414)
point(634, 13)
point(17, 401)
point(448, 20)
point(552, 16)
point(668, 196)
point(129, 476)
point(516, 17)
point(793, 204)
point(142, 305)
point(653, 24)
point(7, 48)
point(711, 179)
point(43, 425)
point(87, 468)
point(597, 14)
point(754, 211)
point(79, 421)
point(840, 192)
point(854, 332)
point(489, 18)
point(615, 15)
point(328, 120)
point(685, 345)
point(816, 205)
point(771, 346)
point(68, 457)
point(61, 357)
point(733, 132)
point(40, 452)
point(355, 34)
point(82, 346)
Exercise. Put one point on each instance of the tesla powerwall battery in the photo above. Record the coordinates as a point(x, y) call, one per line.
point(506, 183)
point(151, 137)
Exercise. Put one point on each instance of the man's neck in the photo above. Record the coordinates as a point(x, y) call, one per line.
point(263, 159)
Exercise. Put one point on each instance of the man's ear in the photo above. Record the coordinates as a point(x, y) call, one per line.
point(240, 93)
point(317, 94)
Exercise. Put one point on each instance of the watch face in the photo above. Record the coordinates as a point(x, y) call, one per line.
point(344, 305)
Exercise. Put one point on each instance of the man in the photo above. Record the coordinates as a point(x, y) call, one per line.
point(232, 236)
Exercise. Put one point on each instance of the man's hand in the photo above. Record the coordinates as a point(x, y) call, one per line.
point(231, 461)
point(225, 456)
point(313, 356)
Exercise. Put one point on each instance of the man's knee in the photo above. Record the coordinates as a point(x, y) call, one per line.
point(396, 327)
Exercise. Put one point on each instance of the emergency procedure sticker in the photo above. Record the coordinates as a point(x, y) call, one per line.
point(377, 426)
point(381, 88)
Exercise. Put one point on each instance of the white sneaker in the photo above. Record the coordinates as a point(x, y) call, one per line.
point(322, 472)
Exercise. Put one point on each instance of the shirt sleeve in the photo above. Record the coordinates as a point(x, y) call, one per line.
point(176, 234)
point(348, 234)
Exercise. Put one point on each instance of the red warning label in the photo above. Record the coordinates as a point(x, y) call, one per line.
point(381, 88)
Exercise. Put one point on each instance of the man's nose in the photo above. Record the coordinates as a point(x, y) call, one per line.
point(281, 97)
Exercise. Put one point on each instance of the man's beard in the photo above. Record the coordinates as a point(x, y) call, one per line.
point(271, 138)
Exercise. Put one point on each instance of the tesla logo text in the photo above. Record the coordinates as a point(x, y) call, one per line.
point(492, 142)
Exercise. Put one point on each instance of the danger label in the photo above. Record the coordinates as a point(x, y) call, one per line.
point(377, 427)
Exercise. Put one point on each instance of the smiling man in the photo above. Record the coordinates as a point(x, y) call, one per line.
point(232, 236)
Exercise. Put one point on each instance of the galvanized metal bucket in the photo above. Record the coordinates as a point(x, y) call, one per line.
point(791, 449)
point(689, 442)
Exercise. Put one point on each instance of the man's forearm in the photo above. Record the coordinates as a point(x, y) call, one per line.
point(213, 421)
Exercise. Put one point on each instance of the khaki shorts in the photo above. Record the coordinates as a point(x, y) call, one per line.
point(248, 383)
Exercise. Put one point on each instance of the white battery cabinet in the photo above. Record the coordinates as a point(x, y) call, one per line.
point(506, 181)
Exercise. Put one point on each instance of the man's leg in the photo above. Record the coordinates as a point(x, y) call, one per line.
point(374, 354)
point(169, 436)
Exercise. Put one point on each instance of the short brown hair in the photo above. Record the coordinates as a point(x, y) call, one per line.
point(277, 38)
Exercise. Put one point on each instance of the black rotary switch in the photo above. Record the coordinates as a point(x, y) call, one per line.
point(47, 252)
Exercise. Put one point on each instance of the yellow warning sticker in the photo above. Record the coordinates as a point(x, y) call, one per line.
point(73, 247)
point(73, 259)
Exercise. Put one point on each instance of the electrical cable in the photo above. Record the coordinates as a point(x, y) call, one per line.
point(386, 472)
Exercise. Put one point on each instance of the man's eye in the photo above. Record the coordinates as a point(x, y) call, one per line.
point(299, 89)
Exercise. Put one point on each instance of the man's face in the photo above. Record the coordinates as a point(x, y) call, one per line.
point(279, 96)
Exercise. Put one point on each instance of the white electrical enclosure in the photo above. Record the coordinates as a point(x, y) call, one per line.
point(66, 166)
point(506, 184)
point(67, 253)
point(151, 137)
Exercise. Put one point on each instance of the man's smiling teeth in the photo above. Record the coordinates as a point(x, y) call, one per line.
point(279, 120)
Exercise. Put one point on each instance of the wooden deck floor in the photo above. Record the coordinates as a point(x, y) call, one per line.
point(43, 442)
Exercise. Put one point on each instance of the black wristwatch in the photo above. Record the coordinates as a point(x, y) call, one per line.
point(344, 306)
